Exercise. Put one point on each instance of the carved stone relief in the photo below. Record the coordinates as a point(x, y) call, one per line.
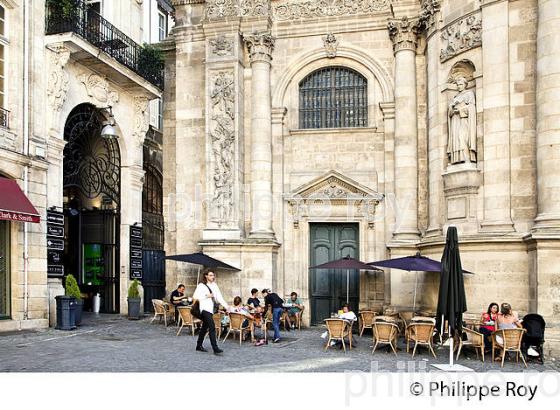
point(428, 10)
point(57, 86)
point(219, 9)
point(294, 10)
point(222, 134)
point(99, 90)
point(260, 46)
point(141, 120)
point(222, 46)
point(404, 33)
point(461, 36)
point(330, 42)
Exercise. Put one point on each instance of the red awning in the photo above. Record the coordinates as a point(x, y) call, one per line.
point(14, 205)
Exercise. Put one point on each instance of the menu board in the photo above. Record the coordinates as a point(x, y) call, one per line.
point(136, 271)
point(55, 243)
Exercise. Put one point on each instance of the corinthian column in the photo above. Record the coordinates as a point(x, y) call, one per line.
point(260, 48)
point(548, 116)
point(403, 33)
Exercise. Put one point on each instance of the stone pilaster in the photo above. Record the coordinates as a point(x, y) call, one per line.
point(403, 33)
point(548, 117)
point(260, 47)
point(496, 112)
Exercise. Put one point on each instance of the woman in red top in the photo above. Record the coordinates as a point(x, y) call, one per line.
point(488, 323)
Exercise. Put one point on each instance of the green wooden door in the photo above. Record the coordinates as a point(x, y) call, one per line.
point(4, 270)
point(327, 286)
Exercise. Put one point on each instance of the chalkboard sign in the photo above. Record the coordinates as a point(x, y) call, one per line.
point(55, 243)
point(135, 252)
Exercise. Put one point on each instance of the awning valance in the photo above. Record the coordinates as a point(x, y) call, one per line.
point(14, 205)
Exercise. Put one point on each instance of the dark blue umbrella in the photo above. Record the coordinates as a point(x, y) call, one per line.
point(200, 258)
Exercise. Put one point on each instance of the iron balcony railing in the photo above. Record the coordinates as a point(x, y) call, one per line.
point(4, 118)
point(82, 20)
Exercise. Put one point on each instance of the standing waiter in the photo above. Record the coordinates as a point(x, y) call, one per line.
point(209, 296)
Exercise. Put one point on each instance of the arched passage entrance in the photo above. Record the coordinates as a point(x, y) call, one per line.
point(91, 170)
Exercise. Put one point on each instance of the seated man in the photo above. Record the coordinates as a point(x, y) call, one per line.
point(254, 300)
point(177, 297)
point(293, 311)
point(348, 316)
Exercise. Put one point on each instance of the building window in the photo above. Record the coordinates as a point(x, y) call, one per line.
point(333, 97)
point(162, 25)
point(160, 115)
point(3, 44)
point(95, 5)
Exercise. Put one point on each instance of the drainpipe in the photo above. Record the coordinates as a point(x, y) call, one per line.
point(25, 153)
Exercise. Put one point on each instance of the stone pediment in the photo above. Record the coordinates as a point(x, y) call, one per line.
point(334, 186)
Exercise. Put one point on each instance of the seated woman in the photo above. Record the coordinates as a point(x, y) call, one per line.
point(239, 308)
point(509, 319)
point(348, 316)
point(488, 323)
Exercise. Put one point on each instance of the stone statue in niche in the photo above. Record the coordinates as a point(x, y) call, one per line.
point(461, 139)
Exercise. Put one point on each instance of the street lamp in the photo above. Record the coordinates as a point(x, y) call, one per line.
point(108, 131)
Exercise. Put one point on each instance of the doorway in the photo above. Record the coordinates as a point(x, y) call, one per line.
point(327, 287)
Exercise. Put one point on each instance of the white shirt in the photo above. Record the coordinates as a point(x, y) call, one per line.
point(206, 303)
point(350, 316)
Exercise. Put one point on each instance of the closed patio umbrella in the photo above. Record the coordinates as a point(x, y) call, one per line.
point(347, 263)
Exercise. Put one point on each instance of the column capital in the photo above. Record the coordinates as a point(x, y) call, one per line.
point(260, 46)
point(404, 33)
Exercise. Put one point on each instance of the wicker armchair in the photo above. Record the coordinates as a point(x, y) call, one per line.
point(236, 326)
point(474, 339)
point(159, 311)
point(366, 320)
point(508, 340)
point(385, 332)
point(338, 329)
point(420, 334)
point(298, 317)
point(186, 319)
point(218, 323)
point(169, 310)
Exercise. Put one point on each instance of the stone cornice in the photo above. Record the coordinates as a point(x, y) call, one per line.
point(260, 46)
point(404, 33)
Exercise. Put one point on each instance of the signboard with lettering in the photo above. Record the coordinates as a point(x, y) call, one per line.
point(55, 243)
point(135, 252)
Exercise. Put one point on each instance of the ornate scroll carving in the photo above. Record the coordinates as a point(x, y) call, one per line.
point(428, 10)
point(403, 33)
point(57, 86)
point(331, 44)
point(294, 10)
point(461, 36)
point(219, 9)
point(222, 133)
point(222, 46)
point(260, 46)
point(141, 121)
point(98, 89)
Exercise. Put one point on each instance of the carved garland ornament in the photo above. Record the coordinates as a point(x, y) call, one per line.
point(57, 87)
point(141, 121)
point(330, 42)
point(292, 10)
point(98, 89)
point(219, 9)
point(461, 36)
point(222, 134)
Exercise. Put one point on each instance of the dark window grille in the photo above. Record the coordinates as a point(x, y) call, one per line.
point(4, 118)
point(333, 97)
point(83, 20)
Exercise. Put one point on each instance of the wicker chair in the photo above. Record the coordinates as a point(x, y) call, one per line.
point(218, 324)
point(236, 326)
point(298, 317)
point(187, 319)
point(366, 320)
point(159, 311)
point(169, 311)
point(474, 339)
point(420, 334)
point(510, 342)
point(338, 329)
point(385, 332)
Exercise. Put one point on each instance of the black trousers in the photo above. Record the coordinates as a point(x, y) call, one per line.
point(207, 326)
point(487, 337)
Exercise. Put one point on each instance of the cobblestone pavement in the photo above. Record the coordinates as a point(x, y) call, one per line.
point(111, 343)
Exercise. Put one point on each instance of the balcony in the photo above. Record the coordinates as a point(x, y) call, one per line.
point(4, 118)
point(79, 25)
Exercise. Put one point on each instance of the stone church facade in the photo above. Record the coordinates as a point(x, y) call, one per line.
point(296, 132)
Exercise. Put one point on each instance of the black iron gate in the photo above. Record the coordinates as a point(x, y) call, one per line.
point(154, 277)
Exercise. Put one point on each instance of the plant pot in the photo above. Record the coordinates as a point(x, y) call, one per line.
point(134, 308)
point(65, 312)
point(78, 311)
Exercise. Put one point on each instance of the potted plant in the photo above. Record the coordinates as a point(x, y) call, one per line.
point(134, 300)
point(73, 290)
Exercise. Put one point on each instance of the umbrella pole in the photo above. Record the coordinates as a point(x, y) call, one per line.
point(451, 352)
point(415, 287)
point(347, 286)
point(197, 275)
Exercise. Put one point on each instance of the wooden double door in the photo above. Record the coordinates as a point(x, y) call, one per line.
point(328, 287)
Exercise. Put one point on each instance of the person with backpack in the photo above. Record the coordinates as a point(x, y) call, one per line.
point(275, 302)
point(209, 297)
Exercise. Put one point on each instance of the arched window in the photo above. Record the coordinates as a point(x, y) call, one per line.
point(333, 97)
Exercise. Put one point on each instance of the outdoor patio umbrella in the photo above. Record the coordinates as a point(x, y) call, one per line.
point(452, 302)
point(200, 258)
point(347, 263)
point(412, 263)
